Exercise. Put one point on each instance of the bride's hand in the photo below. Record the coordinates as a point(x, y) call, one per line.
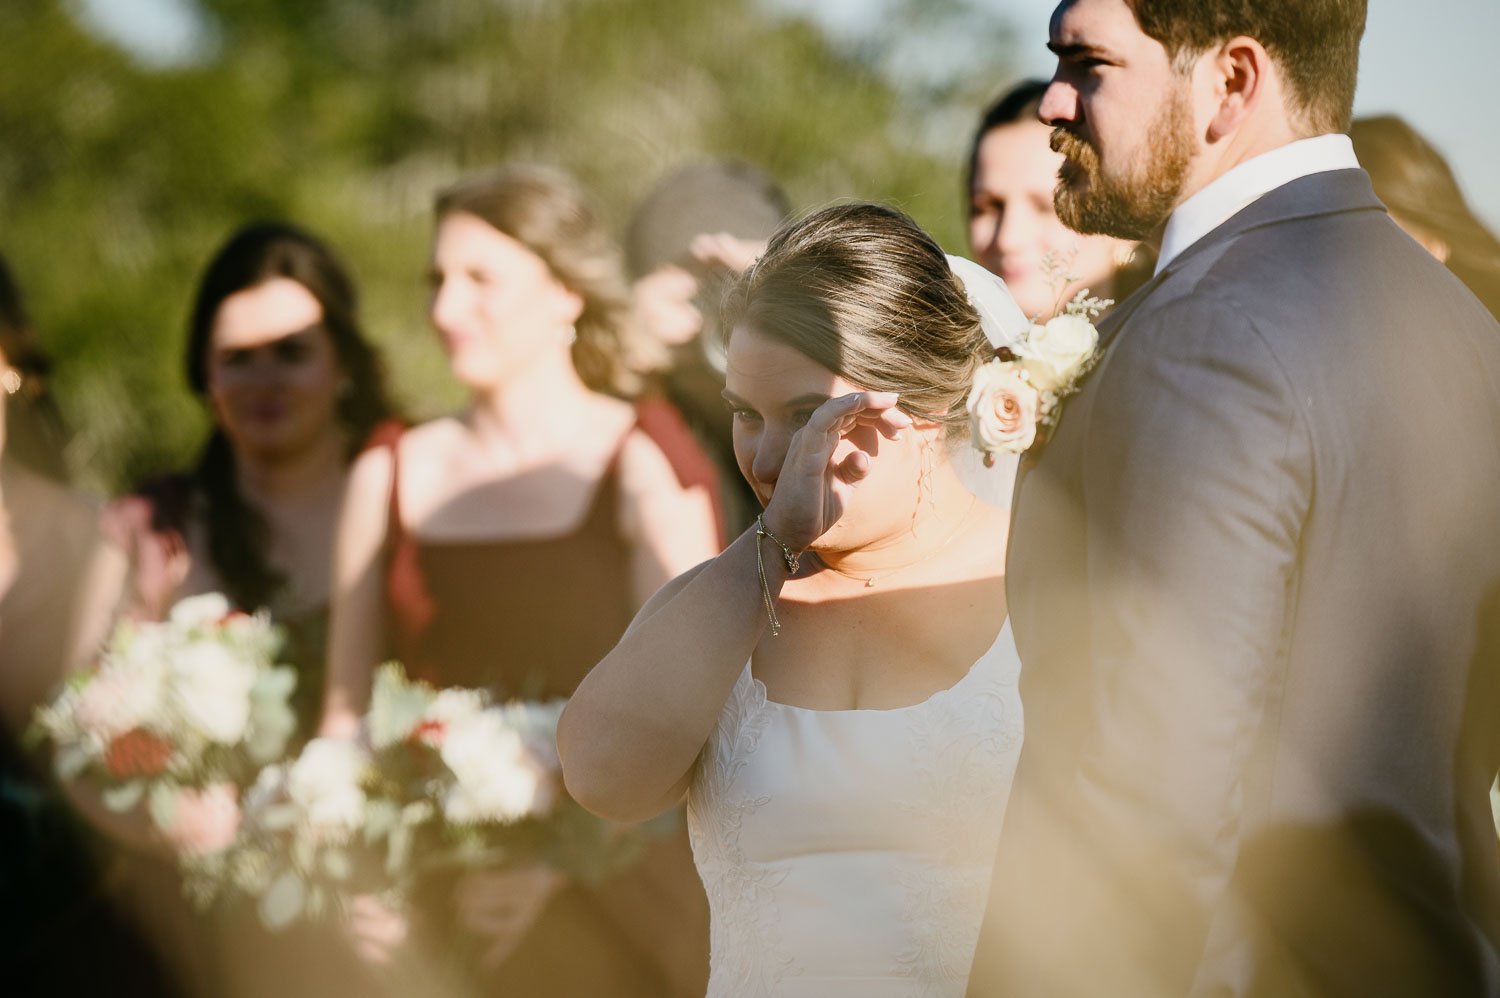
point(502, 905)
point(814, 485)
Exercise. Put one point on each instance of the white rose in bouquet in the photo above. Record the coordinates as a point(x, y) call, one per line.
point(451, 708)
point(211, 689)
point(1056, 351)
point(497, 777)
point(325, 783)
point(121, 698)
point(199, 611)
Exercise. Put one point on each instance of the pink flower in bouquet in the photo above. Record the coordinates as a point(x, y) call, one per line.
point(429, 732)
point(124, 696)
point(204, 821)
point(137, 753)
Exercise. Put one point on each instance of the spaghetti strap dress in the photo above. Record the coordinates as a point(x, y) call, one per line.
point(527, 618)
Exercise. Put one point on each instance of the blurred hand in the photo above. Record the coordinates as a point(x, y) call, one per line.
point(502, 905)
point(376, 929)
point(814, 485)
point(159, 560)
point(663, 305)
point(204, 821)
point(720, 249)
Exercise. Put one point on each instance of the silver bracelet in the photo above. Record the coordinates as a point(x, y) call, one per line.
point(791, 561)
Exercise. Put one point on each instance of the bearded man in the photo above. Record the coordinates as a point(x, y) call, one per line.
point(1254, 573)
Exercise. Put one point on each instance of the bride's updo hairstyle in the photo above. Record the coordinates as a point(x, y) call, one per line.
point(861, 290)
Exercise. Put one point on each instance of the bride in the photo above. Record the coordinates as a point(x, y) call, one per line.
point(836, 692)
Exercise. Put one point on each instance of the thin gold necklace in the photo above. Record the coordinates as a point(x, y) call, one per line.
point(870, 580)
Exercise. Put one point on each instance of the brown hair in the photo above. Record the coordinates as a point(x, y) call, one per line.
point(863, 291)
point(238, 536)
point(548, 213)
point(1315, 42)
point(1419, 188)
point(1018, 104)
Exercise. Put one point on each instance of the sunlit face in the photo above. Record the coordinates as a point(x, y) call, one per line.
point(1124, 121)
point(495, 304)
point(273, 376)
point(772, 391)
point(1014, 229)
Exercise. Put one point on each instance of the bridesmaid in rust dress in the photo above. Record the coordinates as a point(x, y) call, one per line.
point(508, 547)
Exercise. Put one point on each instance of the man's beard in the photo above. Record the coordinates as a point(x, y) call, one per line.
point(1133, 206)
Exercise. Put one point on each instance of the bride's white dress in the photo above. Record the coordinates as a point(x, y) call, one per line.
point(848, 853)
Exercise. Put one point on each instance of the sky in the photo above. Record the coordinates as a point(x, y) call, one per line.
point(1428, 61)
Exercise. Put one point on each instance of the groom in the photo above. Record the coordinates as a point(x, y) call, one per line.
point(1255, 572)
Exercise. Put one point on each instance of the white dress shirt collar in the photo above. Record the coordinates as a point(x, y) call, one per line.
point(1242, 186)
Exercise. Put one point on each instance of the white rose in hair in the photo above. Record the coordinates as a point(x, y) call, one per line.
point(324, 783)
point(497, 777)
point(200, 611)
point(1056, 352)
point(211, 689)
point(1003, 409)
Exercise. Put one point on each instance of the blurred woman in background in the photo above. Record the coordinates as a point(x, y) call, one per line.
point(277, 354)
point(59, 583)
point(1424, 198)
point(1014, 232)
point(508, 547)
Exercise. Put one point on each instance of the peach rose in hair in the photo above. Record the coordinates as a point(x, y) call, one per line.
point(1003, 409)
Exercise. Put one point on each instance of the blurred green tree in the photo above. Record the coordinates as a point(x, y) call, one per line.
point(119, 179)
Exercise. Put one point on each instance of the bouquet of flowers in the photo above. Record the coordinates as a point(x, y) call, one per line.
point(305, 837)
point(441, 780)
point(190, 705)
point(491, 781)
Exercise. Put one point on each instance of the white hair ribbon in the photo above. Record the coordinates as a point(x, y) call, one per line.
point(1004, 323)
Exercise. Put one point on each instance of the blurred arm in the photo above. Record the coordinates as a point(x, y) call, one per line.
point(356, 629)
point(670, 528)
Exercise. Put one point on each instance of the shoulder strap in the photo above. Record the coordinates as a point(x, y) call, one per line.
point(664, 426)
point(388, 435)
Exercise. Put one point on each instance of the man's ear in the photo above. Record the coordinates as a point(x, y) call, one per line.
point(1243, 76)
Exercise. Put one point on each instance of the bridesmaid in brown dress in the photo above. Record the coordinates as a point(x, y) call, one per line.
point(509, 546)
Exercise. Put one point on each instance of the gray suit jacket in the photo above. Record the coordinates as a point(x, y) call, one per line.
point(1254, 577)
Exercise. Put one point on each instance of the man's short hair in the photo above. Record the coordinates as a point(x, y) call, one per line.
point(1314, 42)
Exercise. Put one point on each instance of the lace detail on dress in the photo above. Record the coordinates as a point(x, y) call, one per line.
point(968, 745)
point(741, 895)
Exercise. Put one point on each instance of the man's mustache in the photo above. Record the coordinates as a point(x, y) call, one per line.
point(1079, 158)
point(1070, 145)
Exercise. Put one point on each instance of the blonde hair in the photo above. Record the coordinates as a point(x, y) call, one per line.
point(862, 290)
point(546, 211)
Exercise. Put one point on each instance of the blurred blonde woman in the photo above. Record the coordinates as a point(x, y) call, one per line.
point(507, 547)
